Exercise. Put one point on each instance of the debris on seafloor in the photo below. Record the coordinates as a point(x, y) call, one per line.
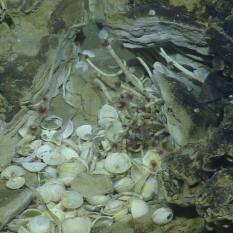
point(120, 172)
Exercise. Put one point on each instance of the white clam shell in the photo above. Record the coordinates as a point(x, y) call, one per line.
point(50, 172)
point(68, 131)
point(77, 225)
point(114, 130)
point(15, 183)
point(51, 191)
point(124, 185)
point(162, 215)
point(150, 188)
point(121, 214)
point(39, 224)
point(107, 114)
point(52, 122)
point(98, 199)
point(57, 210)
point(34, 166)
point(138, 208)
point(152, 160)
point(117, 163)
point(54, 158)
point(51, 136)
point(12, 171)
point(84, 132)
point(68, 153)
point(71, 199)
point(113, 206)
point(44, 150)
point(102, 222)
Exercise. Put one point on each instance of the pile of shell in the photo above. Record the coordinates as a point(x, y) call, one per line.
point(85, 183)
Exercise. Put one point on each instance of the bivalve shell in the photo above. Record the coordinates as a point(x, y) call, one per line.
point(139, 208)
point(98, 199)
point(68, 131)
point(34, 166)
point(15, 183)
point(52, 122)
point(84, 132)
point(124, 185)
point(152, 160)
point(39, 224)
point(113, 206)
point(12, 171)
point(51, 191)
point(107, 114)
point(162, 216)
point(117, 163)
point(77, 225)
point(71, 199)
point(150, 188)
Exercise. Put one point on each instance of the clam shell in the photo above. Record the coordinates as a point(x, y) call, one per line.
point(138, 208)
point(107, 114)
point(124, 185)
point(102, 222)
point(39, 224)
point(152, 160)
point(98, 199)
point(114, 130)
point(103, 34)
point(117, 163)
point(29, 213)
point(68, 131)
point(68, 153)
point(50, 172)
point(71, 199)
point(57, 210)
point(54, 158)
point(84, 132)
point(12, 171)
point(15, 183)
point(113, 207)
point(51, 191)
point(162, 215)
point(150, 188)
point(44, 150)
point(51, 136)
point(76, 225)
point(34, 166)
point(52, 122)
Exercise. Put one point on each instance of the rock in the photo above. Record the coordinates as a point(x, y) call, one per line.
point(12, 203)
point(193, 225)
point(7, 145)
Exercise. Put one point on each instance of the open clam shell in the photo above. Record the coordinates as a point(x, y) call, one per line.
point(52, 122)
point(117, 163)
